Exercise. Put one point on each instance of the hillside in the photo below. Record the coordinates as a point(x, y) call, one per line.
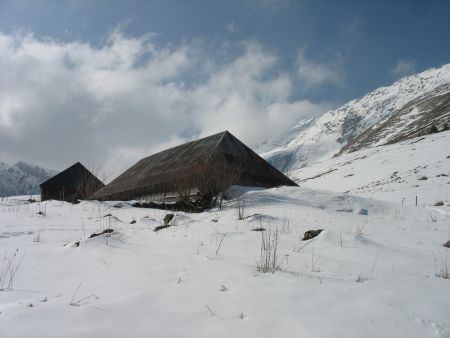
point(22, 178)
point(404, 110)
point(396, 172)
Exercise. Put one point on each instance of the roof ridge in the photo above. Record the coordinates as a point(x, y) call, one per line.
point(223, 135)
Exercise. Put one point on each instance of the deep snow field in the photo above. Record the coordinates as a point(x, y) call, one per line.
point(396, 173)
point(371, 275)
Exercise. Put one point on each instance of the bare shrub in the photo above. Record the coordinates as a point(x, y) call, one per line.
point(369, 275)
point(42, 208)
point(216, 177)
point(206, 183)
point(107, 223)
point(8, 270)
point(220, 243)
point(441, 266)
point(269, 261)
point(211, 312)
point(241, 207)
point(81, 301)
point(433, 218)
point(286, 226)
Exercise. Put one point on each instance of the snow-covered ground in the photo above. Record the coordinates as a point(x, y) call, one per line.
point(368, 275)
point(396, 173)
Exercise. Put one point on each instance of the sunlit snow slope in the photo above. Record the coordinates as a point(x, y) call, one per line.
point(404, 110)
point(398, 172)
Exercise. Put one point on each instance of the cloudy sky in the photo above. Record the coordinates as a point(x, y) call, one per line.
point(108, 82)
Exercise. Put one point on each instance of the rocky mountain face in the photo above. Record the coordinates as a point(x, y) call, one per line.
point(408, 108)
point(22, 178)
point(416, 118)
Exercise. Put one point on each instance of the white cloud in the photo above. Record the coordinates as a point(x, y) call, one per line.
point(313, 74)
point(404, 68)
point(232, 27)
point(110, 105)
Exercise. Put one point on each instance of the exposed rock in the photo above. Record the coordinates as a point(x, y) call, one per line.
point(344, 210)
point(168, 218)
point(363, 211)
point(160, 227)
point(181, 205)
point(106, 231)
point(311, 234)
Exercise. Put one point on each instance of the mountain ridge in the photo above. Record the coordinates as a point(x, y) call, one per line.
point(312, 140)
point(22, 178)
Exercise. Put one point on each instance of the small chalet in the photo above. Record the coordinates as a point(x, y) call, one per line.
point(76, 182)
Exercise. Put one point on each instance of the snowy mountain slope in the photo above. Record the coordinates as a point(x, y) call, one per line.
point(396, 172)
point(323, 137)
point(414, 119)
point(22, 178)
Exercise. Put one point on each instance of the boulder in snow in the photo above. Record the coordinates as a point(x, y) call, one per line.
point(310, 234)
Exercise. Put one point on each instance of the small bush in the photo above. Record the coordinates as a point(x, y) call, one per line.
point(8, 269)
point(81, 301)
point(286, 226)
point(369, 275)
point(441, 266)
point(269, 260)
point(42, 209)
point(241, 207)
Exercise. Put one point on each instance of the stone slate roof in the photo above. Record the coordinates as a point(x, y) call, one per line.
point(178, 166)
